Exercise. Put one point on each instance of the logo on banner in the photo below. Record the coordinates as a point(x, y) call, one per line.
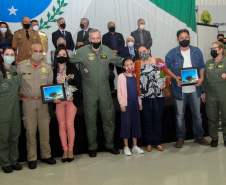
point(205, 17)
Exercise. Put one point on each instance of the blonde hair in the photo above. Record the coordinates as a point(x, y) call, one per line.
point(220, 45)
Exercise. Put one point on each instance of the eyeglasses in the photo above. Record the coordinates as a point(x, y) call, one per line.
point(215, 48)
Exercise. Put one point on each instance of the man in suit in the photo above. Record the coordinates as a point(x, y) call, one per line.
point(62, 33)
point(83, 35)
point(114, 41)
point(23, 40)
point(141, 35)
point(129, 50)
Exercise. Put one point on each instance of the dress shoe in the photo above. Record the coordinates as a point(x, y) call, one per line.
point(49, 160)
point(64, 160)
point(179, 144)
point(7, 169)
point(32, 164)
point(70, 156)
point(92, 153)
point(148, 148)
point(214, 143)
point(70, 159)
point(160, 148)
point(113, 151)
point(17, 166)
point(202, 141)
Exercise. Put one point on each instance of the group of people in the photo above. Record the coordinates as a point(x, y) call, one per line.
point(23, 68)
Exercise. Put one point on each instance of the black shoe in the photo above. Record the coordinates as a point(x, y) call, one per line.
point(224, 143)
point(64, 160)
point(17, 166)
point(32, 164)
point(7, 169)
point(214, 143)
point(49, 160)
point(92, 153)
point(70, 159)
point(113, 151)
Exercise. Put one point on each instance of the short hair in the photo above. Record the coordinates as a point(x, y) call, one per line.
point(140, 20)
point(220, 35)
point(59, 19)
point(25, 17)
point(34, 21)
point(130, 37)
point(110, 22)
point(61, 38)
point(182, 31)
point(35, 44)
point(85, 20)
point(93, 31)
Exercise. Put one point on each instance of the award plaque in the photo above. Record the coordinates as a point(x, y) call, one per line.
point(189, 75)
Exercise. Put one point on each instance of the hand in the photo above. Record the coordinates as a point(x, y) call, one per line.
point(115, 51)
point(70, 99)
point(199, 82)
point(162, 87)
point(79, 44)
point(123, 109)
point(140, 107)
point(60, 81)
point(178, 80)
point(57, 101)
point(204, 97)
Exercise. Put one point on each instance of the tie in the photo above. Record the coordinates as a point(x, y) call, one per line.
point(84, 35)
point(64, 35)
point(27, 34)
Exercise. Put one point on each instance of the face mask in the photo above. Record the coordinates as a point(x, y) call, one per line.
point(130, 44)
point(9, 59)
point(95, 45)
point(224, 42)
point(61, 60)
point(144, 56)
point(214, 53)
point(130, 69)
point(112, 29)
point(63, 25)
point(37, 57)
point(3, 30)
point(26, 26)
point(142, 26)
point(61, 45)
point(82, 26)
point(35, 28)
point(221, 40)
point(184, 43)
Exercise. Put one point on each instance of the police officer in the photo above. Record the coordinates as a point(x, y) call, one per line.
point(33, 73)
point(215, 88)
point(23, 39)
point(94, 60)
point(43, 37)
point(10, 122)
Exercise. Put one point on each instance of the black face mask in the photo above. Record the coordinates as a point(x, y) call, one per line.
point(61, 45)
point(61, 60)
point(214, 53)
point(26, 26)
point(184, 43)
point(221, 40)
point(63, 25)
point(82, 26)
point(112, 29)
point(224, 42)
point(95, 45)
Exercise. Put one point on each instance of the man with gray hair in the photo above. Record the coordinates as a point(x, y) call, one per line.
point(141, 35)
point(83, 35)
point(94, 62)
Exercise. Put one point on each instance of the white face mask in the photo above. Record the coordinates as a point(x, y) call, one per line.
point(35, 28)
point(142, 26)
point(130, 44)
point(3, 30)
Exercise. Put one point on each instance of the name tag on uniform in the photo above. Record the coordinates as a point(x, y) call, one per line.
point(103, 56)
point(26, 73)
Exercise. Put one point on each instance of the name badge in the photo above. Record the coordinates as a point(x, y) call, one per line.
point(26, 73)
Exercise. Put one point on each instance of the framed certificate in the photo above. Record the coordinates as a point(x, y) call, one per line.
point(52, 92)
point(189, 75)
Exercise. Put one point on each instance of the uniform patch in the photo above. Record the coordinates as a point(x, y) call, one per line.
point(15, 73)
point(103, 56)
point(220, 66)
point(91, 56)
point(86, 70)
point(211, 66)
point(8, 75)
point(4, 86)
point(26, 73)
point(224, 76)
point(43, 70)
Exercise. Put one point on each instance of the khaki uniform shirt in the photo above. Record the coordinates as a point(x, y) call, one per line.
point(23, 45)
point(44, 41)
point(31, 78)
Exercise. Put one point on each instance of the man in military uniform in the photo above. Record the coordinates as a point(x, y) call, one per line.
point(33, 73)
point(23, 39)
point(43, 37)
point(94, 60)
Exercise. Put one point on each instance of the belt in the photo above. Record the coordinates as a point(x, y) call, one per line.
point(32, 98)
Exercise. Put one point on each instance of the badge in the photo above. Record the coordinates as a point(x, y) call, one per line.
point(5, 86)
point(15, 73)
point(8, 75)
point(26, 73)
point(220, 66)
point(43, 70)
point(211, 66)
point(91, 56)
point(27, 63)
point(103, 56)
point(224, 76)
point(86, 70)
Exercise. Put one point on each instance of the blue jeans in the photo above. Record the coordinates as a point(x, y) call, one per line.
point(195, 104)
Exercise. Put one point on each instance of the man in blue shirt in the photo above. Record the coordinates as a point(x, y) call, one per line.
point(185, 56)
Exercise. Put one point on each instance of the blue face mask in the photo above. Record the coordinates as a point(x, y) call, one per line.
point(9, 60)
